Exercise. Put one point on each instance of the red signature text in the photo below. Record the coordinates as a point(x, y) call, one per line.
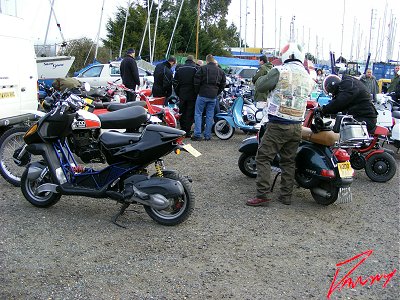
point(338, 283)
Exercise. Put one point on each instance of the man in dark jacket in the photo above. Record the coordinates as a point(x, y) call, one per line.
point(209, 81)
point(265, 67)
point(349, 95)
point(184, 89)
point(162, 86)
point(129, 73)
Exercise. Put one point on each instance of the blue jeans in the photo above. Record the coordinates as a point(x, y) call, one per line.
point(209, 105)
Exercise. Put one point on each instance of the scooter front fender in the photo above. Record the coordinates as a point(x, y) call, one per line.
point(249, 145)
point(227, 117)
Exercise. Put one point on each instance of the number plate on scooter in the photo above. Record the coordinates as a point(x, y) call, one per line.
point(345, 169)
point(189, 148)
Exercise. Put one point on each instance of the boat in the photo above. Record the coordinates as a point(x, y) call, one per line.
point(53, 66)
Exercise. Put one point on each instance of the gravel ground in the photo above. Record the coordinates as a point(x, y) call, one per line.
point(225, 250)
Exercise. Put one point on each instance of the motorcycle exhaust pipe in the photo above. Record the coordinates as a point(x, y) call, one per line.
point(156, 201)
point(321, 192)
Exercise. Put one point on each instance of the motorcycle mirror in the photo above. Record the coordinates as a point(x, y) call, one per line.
point(86, 86)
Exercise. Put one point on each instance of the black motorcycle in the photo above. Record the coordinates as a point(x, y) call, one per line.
point(326, 172)
point(166, 195)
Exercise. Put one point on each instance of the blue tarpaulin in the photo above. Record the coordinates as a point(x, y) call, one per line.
point(232, 61)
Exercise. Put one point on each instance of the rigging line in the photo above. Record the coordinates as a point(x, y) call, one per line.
point(145, 29)
point(55, 18)
point(173, 32)
point(187, 45)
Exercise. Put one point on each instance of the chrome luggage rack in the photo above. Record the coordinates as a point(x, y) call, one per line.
point(352, 134)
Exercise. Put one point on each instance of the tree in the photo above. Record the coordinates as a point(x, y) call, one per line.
point(83, 49)
point(214, 34)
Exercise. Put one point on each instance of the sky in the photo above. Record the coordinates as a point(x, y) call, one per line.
point(309, 21)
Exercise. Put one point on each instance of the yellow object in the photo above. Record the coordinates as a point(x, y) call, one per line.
point(381, 82)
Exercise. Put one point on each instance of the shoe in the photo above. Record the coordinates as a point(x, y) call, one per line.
point(257, 202)
point(207, 139)
point(196, 138)
point(285, 201)
point(188, 135)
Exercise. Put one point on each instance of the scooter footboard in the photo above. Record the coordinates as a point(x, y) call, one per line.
point(167, 187)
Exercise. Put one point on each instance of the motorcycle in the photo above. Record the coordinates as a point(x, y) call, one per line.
point(14, 157)
point(326, 172)
point(166, 195)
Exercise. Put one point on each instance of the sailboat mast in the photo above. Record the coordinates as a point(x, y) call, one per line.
point(344, 10)
point(98, 31)
point(123, 32)
point(197, 31)
point(47, 29)
point(173, 31)
point(155, 32)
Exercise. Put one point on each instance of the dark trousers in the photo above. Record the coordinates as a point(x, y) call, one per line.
point(186, 109)
point(130, 96)
point(283, 139)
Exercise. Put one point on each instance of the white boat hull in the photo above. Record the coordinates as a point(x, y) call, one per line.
point(54, 66)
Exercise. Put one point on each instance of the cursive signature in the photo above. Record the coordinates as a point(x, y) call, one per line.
point(347, 281)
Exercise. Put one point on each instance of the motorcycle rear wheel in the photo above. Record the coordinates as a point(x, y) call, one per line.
point(11, 143)
point(331, 189)
point(29, 190)
point(223, 130)
point(247, 165)
point(180, 208)
point(380, 167)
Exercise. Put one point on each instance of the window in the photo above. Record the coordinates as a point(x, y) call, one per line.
point(114, 71)
point(92, 72)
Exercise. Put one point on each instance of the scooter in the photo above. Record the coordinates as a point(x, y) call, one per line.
point(326, 172)
point(166, 195)
point(389, 116)
point(228, 121)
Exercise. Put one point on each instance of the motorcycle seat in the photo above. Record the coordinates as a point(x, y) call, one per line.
point(118, 106)
point(113, 139)
point(127, 118)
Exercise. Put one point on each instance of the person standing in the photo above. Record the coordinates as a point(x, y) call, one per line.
point(265, 67)
point(209, 81)
point(129, 73)
point(162, 86)
point(370, 83)
point(184, 89)
point(289, 86)
point(395, 80)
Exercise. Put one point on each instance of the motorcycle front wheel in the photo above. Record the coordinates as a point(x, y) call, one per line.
point(223, 130)
point(179, 209)
point(247, 165)
point(29, 188)
point(11, 144)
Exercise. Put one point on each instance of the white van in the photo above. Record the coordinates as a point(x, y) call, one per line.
point(18, 72)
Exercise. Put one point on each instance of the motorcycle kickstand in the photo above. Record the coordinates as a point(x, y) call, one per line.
point(120, 213)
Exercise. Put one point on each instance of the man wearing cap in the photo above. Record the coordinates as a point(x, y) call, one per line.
point(129, 73)
point(265, 67)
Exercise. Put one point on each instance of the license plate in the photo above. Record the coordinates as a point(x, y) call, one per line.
point(344, 196)
point(7, 95)
point(345, 169)
point(189, 148)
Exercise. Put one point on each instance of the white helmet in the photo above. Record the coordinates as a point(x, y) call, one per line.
point(292, 51)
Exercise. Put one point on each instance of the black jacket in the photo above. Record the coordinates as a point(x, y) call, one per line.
point(162, 86)
point(129, 72)
point(353, 98)
point(184, 81)
point(209, 81)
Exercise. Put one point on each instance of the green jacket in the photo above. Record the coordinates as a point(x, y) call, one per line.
point(262, 71)
point(393, 84)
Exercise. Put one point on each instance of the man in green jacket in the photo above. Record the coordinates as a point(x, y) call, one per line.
point(265, 67)
point(395, 80)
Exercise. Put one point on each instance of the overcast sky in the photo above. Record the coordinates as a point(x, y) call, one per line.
point(314, 20)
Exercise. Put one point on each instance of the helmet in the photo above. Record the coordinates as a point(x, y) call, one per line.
point(292, 51)
point(330, 82)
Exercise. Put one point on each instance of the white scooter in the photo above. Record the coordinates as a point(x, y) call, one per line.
point(389, 117)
